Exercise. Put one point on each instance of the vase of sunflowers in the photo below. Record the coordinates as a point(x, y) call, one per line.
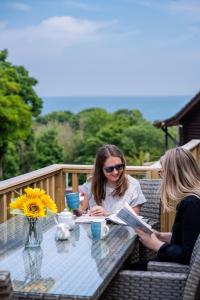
point(34, 204)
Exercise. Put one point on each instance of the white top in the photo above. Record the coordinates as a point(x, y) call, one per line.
point(133, 196)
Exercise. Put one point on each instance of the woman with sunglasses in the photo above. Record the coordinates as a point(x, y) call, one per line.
point(180, 184)
point(109, 187)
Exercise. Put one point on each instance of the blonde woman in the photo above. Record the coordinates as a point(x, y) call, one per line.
point(181, 184)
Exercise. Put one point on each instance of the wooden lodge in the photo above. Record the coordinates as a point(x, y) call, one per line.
point(187, 120)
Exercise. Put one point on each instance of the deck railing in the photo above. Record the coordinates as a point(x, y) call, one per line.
point(53, 180)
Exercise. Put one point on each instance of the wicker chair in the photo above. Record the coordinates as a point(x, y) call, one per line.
point(151, 211)
point(6, 291)
point(175, 281)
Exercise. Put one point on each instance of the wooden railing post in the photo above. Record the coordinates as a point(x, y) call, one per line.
point(3, 209)
point(74, 182)
point(60, 190)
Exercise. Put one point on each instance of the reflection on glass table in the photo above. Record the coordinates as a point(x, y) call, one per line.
point(33, 281)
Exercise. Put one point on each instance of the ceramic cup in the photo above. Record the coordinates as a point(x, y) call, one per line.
point(72, 200)
point(99, 229)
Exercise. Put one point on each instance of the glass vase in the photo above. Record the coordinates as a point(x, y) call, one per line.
point(32, 263)
point(33, 232)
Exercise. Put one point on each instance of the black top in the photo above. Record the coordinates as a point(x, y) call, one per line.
point(185, 231)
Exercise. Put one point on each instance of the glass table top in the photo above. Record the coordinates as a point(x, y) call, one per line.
point(78, 268)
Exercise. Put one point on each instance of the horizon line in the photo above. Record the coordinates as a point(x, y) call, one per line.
point(179, 95)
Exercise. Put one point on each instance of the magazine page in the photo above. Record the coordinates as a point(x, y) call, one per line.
point(88, 218)
point(127, 215)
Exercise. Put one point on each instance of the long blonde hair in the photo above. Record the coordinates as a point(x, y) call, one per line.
point(181, 176)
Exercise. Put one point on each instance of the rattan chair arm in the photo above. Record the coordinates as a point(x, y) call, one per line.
point(167, 267)
point(146, 285)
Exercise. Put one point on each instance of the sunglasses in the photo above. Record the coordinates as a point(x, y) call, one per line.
point(118, 167)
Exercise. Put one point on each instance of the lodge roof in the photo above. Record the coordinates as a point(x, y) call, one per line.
point(175, 120)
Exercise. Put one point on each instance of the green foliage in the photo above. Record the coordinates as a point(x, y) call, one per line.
point(140, 141)
point(11, 162)
point(48, 151)
point(18, 104)
point(92, 119)
point(15, 118)
point(58, 116)
point(27, 153)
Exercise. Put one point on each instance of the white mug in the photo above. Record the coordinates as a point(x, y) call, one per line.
point(99, 229)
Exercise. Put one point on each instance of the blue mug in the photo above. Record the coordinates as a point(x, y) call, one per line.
point(99, 229)
point(72, 200)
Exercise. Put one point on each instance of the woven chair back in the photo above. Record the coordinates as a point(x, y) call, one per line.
point(152, 208)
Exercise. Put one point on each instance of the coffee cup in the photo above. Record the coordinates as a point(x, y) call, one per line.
point(72, 200)
point(99, 229)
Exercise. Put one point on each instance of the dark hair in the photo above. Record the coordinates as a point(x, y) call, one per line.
point(99, 179)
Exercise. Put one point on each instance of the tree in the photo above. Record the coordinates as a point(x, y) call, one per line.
point(18, 104)
point(92, 119)
point(47, 150)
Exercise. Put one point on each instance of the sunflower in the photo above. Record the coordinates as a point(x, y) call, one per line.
point(33, 203)
point(49, 203)
point(34, 208)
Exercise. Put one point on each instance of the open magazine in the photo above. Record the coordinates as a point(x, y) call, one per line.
point(127, 215)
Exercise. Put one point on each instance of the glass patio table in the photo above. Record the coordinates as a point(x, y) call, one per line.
point(78, 268)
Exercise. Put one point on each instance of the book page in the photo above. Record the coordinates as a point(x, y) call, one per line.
point(115, 219)
point(88, 219)
point(127, 215)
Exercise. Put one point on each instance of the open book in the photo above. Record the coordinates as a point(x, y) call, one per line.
point(127, 215)
point(88, 219)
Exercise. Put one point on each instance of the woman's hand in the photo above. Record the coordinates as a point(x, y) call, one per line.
point(137, 209)
point(163, 236)
point(98, 211)
point(149, 240)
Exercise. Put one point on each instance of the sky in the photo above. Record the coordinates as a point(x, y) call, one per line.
point(105, 47)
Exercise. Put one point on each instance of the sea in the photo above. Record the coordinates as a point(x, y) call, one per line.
point(152, 107)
